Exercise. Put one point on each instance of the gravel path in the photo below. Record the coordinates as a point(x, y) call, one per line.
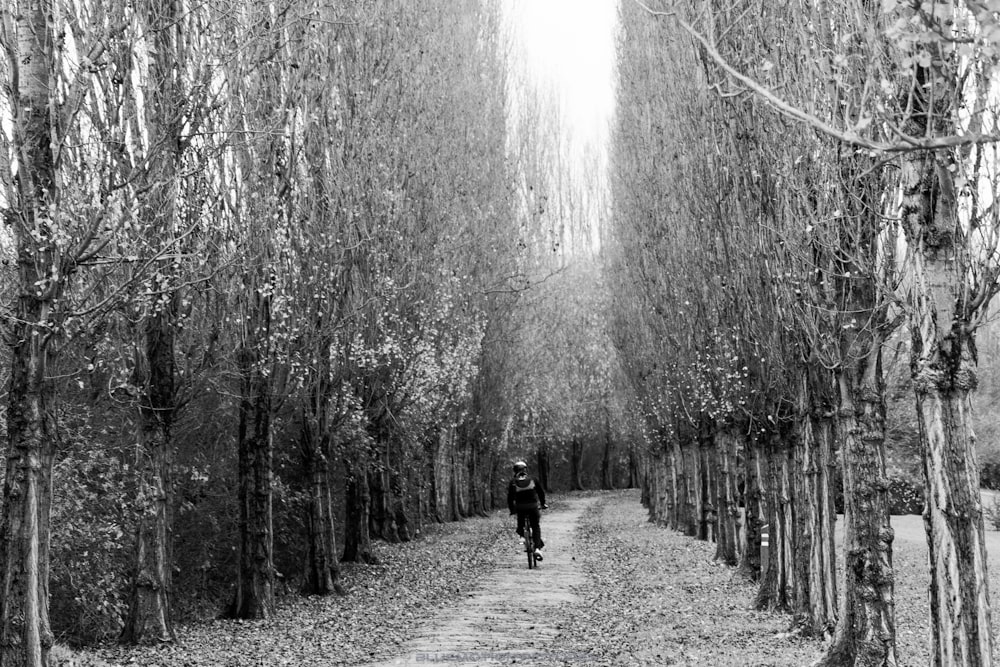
point(514, 615)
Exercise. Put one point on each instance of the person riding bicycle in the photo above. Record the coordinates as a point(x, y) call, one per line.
point(525, 496)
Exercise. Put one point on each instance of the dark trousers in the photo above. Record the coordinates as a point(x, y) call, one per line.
point(533, 516)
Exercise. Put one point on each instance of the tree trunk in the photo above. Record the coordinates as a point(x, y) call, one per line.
point(866, 631)
point(824, 555)
point(476, 486)
point(459, 508)
point(778, 575)
point(945, 303)
point(817, 611)
point(634, 474)
point(576, 465)
point(708, 518)
point(542, 454)
point(149, 616)
point(431, 448)
point(357, 500)
point(693, 483)
point(322, 567)
point(815, 566)
point(443, 474)
point(649, 489)
point(25, 633)
point(398, 488)
point(750, 562)
point(681, 488)
point(607, 468)
point(381, 519)
point(944, 376)
point(674, 483)
point(953, 517)
point(254, 597)
point(727, 544)
point(322, 576)
point(647, 482)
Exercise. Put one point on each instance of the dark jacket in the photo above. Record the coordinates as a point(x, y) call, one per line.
point(524, 493)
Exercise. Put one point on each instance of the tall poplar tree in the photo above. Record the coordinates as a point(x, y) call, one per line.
point(34, 215)
point(164, 100)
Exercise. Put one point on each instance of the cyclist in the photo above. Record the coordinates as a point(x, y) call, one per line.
point(525, 497)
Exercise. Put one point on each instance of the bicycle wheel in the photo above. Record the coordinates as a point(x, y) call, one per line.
point(529, 544)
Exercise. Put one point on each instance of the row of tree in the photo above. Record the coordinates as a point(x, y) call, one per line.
point(792, 188)
point(257, 255)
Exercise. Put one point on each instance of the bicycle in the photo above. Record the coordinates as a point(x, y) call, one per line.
point(529, 541)
point(529, 545)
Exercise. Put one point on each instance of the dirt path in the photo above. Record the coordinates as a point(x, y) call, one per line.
point(515, 615)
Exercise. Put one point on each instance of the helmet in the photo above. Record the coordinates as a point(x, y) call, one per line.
point(520, 466)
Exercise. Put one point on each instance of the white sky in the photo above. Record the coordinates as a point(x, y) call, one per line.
point(570, 46)
point(571, 43)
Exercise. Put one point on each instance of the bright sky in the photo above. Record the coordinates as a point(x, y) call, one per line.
point(570, 44)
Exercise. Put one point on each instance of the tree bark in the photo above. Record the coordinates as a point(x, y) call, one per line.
point(322, 576)
point(25, 632)
point(676, 472)
point(650, 487)
point(953, 518)
point(944, 306)
point(454, 481)
point(824, 553)
point(431, 448)
point(476, 478)
point(576, 465)
point(357, 501)
point(708, 517)
point(693, 487)
point(684, 503)
point(254, 596)
point(381, 519)
point(750, 562)
point(944, 376)
point(634, 474)
point(607, 468)
point(398, 488)
point(817, 613)
point(727, 544)
point(777, 581)
point(542, 454)
point(815, 562)
point(149, 616)
point(866, 632)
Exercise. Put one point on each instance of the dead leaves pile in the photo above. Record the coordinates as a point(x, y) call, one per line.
point(652, 597)
point(384, 605)
point(655, 597)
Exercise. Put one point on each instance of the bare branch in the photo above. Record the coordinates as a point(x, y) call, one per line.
point(848, 136)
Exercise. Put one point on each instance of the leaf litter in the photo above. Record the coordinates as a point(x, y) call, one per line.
point(385, 603)
point(652, 597)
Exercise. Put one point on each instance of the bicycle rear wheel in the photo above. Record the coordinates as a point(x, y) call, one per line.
point(529, 544)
